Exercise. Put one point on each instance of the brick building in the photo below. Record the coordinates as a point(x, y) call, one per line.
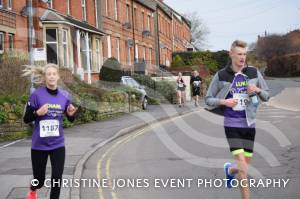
point(130, 33)
point(82, 34)
point(173, 33)
point(11, 20)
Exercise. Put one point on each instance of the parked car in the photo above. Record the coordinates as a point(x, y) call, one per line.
point(129, 81)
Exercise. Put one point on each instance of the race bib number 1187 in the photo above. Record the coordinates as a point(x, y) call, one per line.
point(49, 128)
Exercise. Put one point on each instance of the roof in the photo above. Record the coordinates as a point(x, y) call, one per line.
point(50, 16)
point(164, 8)
point(148, 3)
point(169, 11)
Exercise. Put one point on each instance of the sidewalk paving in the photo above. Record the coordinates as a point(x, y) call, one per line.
point(15, 162)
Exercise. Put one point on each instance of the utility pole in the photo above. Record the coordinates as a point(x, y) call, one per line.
point(30, 40)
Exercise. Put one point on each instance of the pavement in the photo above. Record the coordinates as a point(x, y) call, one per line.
point(81, 141)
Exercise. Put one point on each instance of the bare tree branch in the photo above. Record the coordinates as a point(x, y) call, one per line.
point(199, 30)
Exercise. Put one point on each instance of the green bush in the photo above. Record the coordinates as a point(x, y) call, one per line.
point(11, 104)
point(177, 61)
point(221, 57)
point(153, 101)
point(201, 58)
point(111, 70)
point(167, 89)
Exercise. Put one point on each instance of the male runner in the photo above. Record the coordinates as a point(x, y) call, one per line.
point(229, 94)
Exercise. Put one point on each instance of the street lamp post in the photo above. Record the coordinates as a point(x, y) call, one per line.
point(30, 40)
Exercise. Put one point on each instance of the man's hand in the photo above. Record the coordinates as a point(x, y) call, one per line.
point(229, 102)
point(43, 110)
point(253, 89)
point(71, 110)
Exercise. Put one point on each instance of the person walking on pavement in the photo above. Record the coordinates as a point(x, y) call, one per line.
point(195, 84)
point(180, 90)
point(235, 92)
point(46, 108)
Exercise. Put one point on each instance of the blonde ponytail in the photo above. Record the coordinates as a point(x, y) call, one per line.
point(38, 72)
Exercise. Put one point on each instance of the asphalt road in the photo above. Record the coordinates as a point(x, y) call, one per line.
point(183, 158)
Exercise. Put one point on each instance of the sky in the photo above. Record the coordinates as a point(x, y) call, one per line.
point(228, 20)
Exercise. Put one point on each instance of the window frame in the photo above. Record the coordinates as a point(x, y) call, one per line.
point(64, 43)
point(83, 10)
point(98, 54)
point(116, 10)
point(118, 49)
point(143, 20)
point(50, 4)
point(129, 56)
point(11, 40)
point(127, 13)
point(9, 4)
point(149, 23)
point(68, 8)
point(2, 42)
point(51, 42)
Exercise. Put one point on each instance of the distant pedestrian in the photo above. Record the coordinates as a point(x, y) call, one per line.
point(196, 85)
point(180, 90)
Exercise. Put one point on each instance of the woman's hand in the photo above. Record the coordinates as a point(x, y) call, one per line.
point(43, 110)
point(71, 110)
point(229, 102)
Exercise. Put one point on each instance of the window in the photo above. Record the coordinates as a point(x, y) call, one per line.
point(98, 55)
point(150, 55)
point(127, 13)
point(136, 52)
point(90, 51)
point(69, 9)
point(143, 21)
point(50, 4)
point(129, 55)
point(51, 45)
point(1, 3)
point(83, 6)
point(108, 46)
point(9, 4)
point(84, 50)
point(65, 48)
point(135, 18)
point(118, 49)
point(144, 54)
point(106, 7)
point(116, 9)
point(149, 23)
point(10, 41)
point(1, 42)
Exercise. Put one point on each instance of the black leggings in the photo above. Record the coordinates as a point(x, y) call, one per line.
point(39, 162)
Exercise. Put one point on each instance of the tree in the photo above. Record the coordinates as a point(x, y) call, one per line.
point(199, 30)
point(272, 46)
point(177, 61)
point(111, 70)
